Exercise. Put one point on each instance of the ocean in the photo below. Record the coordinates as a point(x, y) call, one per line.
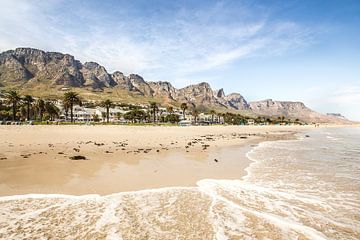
point(307, 188)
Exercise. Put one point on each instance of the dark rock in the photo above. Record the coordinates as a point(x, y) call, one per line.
point(78, 157)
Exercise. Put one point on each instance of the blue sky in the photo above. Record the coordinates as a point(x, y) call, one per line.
point(285, 50)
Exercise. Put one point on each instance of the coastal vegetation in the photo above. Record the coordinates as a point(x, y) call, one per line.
point(71, 98)
point(16, 108)
point(107, 104)
point(184, 107)
point(13, 98)
point(28, 101)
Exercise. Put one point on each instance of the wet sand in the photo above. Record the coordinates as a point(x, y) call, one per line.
point(37, 159)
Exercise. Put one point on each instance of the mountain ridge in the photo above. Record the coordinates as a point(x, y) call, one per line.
point(29, 67)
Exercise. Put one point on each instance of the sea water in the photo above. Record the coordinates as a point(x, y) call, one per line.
point(307, 188)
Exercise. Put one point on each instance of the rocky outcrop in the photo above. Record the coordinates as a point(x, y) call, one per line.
point(232, 101)
point(219, 93)
point(164, 90)
point(198, 94)
point(122, 81)
point(25, 64)
point(277, 108)
point(12, 70)
point(236, 101)
point(292, 110)
point(96, 76)
point(139, 83)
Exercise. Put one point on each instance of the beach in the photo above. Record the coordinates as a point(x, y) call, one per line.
point(217, 182)
point(36, 159)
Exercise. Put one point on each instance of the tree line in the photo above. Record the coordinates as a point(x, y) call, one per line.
point(27, 108)
point(17, 107)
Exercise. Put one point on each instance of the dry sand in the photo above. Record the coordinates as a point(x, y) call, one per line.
point(36, 159)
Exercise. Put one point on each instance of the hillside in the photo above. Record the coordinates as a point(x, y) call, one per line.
point(49, 74)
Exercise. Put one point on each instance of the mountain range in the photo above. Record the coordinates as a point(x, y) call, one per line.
point(39, 73)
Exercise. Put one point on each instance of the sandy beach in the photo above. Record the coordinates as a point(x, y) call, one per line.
point(217, 182)
point(36, 159)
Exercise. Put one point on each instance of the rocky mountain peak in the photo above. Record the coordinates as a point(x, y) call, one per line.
point(136, 78)
point(219, 93)
point(96, 76)
point(235, 100)
point(139, 83)
point(93, 65)
point(164, 89)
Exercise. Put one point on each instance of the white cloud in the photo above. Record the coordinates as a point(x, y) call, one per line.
point(347, 96)
point(190, 41)
point(343, 99)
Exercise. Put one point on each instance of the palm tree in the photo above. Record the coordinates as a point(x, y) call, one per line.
point(160, 116)
point(154, 108)
point(184, 107)
point(170, 109)
point(40, 108)
point(103, 116)
point(282, 119)
point(107, 104)
point(118, 115)
point(95, 117)
point(195, 114)
point(72, 98)
point(212, 112)
point(259, 119)
point(52, 110)
point(13, 98)
point(22, 111)
point(66, 106)
point(28, 100)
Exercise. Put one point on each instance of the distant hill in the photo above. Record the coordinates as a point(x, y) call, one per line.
point(48, 74)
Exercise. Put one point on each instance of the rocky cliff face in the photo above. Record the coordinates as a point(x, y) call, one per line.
point(200, 94)
point(293, 110)
point(232, 101)
point(96, 76)
point(272, 108)
point(123, 81)
point(219, 93)
point(164, 90)
point(139, 83)
point(26, 65)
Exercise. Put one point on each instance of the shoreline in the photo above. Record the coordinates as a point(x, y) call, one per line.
point(214, 207)
point(175, 165)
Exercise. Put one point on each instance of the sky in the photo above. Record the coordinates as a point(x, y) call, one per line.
point(296, 50)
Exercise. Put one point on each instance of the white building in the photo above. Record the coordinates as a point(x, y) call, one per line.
point(83, 114)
